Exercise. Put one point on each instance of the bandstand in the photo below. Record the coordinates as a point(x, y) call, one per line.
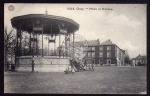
point(37, 26)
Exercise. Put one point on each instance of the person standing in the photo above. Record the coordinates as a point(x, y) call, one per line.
point(72, 67)
point(92, 65)
point(85, 65)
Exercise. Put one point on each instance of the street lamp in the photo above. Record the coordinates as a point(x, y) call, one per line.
point(32, 63)
point(25, 50)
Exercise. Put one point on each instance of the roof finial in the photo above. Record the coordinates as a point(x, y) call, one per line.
point(46, 12)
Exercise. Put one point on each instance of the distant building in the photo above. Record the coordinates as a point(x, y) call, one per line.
point(110, 54)
point(139, 60)
point(105, 53)
point(93, 51)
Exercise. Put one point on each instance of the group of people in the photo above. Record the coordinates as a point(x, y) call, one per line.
point(77, 65)
point(90, 65)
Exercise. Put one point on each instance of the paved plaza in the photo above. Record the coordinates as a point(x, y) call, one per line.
point(104, 80)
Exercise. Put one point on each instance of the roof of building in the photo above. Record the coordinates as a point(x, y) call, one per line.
point(107, 42)
point(26, 21)
point(90, 42)
point(123, 51)
point(93, 42)
point(139, 57)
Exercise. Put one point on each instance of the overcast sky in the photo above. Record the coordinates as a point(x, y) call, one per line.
point(124, 25)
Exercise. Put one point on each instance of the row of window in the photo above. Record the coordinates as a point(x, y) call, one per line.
point(91, 48)
point(92, 54)
point(100, 48)
point(101, 54)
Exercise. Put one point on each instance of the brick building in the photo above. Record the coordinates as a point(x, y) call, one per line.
point(93, 51)
point(106, 53)
point(110, 54)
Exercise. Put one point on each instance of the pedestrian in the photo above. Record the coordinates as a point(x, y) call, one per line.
point(66, 71)
point(70, 69)
point(7, 69)
point(12, 67)
point(91, 65)
point(85, 65)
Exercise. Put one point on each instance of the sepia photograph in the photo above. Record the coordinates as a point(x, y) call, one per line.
point(68, 48)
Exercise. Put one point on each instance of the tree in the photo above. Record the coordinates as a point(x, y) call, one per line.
point(126, 58)
point(9, 45)
point(25, 44)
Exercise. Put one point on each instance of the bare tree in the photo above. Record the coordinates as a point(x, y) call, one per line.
point(9, 45)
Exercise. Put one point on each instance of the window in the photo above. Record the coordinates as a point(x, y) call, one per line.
point(85, 49)
point(89, 54)
point(108, 47)
point(108, 61)
point(85, 52)
point(101, 48)
point(108, 54)
point(89, 48)
point(93, 48)
point(93, 54)
point(100, 54)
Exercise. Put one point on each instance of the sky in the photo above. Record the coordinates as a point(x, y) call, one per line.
point(124, 24)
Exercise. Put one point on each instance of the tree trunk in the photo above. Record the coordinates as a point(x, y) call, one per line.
point(5, 58)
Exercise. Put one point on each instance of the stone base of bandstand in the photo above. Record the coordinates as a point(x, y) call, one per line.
point(42, 64)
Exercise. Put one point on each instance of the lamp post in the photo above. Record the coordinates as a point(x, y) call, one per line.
point(47, 38)
point(32, 63)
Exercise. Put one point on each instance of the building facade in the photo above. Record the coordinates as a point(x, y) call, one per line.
point(92, 52)
point(110, 54)
point(105, 53)
point(139, 61)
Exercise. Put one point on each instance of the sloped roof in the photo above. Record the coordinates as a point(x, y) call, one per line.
point(107, 42)
point(90, 42)
point(93, 42)
point(79, 43)
point(123, 51)
point(140, 57)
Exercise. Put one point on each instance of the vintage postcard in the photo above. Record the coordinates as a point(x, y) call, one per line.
point(75, 48)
